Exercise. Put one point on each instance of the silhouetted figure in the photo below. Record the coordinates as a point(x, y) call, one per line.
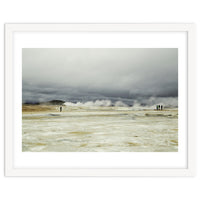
point(159, 107)
point(60, 108)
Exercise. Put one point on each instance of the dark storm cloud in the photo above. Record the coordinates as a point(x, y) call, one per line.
point(99, 73)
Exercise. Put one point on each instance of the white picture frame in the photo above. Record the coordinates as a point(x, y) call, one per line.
point(11, 170)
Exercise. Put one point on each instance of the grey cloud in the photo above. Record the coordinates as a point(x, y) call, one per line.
point(99, 73)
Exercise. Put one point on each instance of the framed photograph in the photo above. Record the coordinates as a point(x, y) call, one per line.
point(99, 100)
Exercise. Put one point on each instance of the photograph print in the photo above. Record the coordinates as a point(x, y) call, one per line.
point(100, 99)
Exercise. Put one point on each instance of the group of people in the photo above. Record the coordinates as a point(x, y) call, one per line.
point(159, 107)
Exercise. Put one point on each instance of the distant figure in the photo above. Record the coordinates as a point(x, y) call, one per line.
point(159, 107)
point(60, 108)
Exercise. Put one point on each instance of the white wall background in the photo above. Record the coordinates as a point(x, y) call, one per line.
point(104, 11)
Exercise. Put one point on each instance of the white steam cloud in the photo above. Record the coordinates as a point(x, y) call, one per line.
point(139, 104)
point(96, 103)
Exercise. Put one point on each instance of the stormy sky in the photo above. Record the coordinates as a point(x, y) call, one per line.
point(80, 74)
